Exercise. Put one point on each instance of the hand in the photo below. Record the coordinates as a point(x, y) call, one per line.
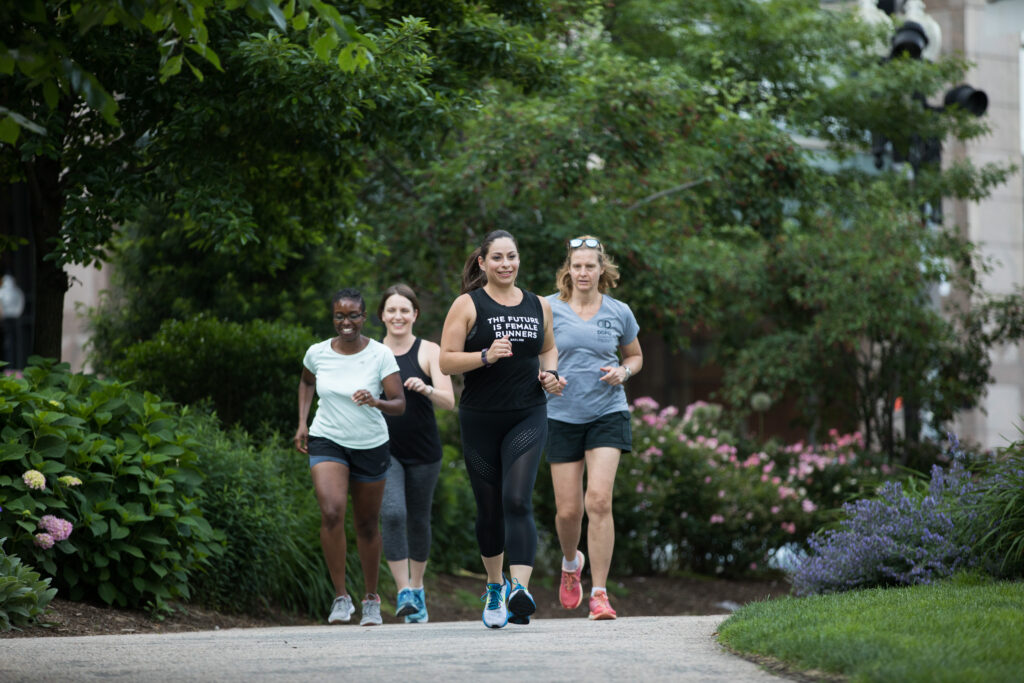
point(418, 385)
point(614, 375)
point(551, 383)
point(364, 398)
point(301, 440)
point(501, 348)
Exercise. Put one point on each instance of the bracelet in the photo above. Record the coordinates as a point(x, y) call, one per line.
point(483, 357)
point(430, 390)
point(629, 372)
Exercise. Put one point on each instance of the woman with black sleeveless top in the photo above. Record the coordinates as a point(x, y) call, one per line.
point(415, 451)
point(500, 337)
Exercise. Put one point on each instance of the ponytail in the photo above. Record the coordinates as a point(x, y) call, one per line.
point(472, 276)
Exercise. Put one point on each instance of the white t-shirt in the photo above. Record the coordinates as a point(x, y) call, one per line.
point(338, 376)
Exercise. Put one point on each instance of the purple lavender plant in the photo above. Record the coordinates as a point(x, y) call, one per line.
point(897, 538)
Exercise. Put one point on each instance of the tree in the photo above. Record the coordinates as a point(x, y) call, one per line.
point(38, 44)
point(674, 134)
point(286, 129)
point(677, 142)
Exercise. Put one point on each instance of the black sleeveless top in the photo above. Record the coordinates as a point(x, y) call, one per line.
point(510, 383)
point(414, 436)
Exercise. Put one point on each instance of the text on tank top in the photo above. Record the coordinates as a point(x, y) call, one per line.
point(510, 383)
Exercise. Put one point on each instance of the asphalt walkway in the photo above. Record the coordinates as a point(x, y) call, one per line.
point(628, 649)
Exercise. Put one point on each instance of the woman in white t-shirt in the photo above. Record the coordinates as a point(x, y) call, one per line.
point(348, 444)
point(588, 425)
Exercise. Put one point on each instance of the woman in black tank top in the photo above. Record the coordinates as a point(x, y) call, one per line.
point(500, 337)
point(415, 451)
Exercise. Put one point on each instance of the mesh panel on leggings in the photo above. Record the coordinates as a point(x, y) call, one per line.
point(522, 441)
point(480, 466)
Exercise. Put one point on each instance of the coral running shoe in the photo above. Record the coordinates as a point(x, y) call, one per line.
point(570, 593)
point(600, 607)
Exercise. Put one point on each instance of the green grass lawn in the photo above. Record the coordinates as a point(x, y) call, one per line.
point(964, 629)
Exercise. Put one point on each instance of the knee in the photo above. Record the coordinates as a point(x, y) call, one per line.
point(332, 516)
point(599, 504)
point(392, 518)
point(569, 512)
point(366, 529)
point(517, 505)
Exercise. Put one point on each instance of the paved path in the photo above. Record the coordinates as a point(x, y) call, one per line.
point(628, 649)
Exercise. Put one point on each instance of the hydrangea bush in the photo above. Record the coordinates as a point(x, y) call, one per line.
point(99, 486)
point(693, 496)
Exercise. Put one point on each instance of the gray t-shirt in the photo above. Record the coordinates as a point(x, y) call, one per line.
point(584, 347)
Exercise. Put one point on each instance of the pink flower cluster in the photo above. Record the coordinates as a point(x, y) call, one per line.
point(44, 541)
point(59, 529)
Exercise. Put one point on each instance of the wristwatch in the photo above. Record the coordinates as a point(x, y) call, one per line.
point(629, 372)
point(552, 372)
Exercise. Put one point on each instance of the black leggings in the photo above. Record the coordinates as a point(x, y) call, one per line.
point(502, 451)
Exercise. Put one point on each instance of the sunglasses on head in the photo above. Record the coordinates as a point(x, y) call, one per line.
point(577, 242)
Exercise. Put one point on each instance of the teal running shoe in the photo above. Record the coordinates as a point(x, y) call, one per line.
point(420, 617)
point(405, 604)
point(520, 603)
point(495, 611)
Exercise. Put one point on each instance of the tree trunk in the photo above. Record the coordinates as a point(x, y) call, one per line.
point(46, 206)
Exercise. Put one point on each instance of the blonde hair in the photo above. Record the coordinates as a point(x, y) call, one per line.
point(609, 271)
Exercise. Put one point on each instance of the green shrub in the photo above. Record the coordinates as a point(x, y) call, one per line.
point(263, 501)
point(139, 532)
point(23, 595)
point(249, 370)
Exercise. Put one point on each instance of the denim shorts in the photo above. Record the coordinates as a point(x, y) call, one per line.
point(568, 442)
point(365, 465)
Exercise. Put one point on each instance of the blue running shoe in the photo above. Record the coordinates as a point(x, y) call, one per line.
point(520, 603)
point(495, 611)
point(406, 603)
point(420, 617)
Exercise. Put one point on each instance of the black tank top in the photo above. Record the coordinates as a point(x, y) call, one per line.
point(510, 383)
point(414, 436)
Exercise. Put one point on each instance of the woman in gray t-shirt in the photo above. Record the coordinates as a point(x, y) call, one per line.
point(588, 425)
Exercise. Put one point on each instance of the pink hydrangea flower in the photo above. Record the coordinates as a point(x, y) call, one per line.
point(808, 506)
point(34, 479)
point(717, 519)
point(788, 527)
point(645, 403)
point(44, 541)
point(59, 529)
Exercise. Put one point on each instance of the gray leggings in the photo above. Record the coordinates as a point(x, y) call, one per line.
point(405, 512)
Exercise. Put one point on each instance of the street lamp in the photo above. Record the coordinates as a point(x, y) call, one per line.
point(918, 37)
point(909, 40)
point(966, 97)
